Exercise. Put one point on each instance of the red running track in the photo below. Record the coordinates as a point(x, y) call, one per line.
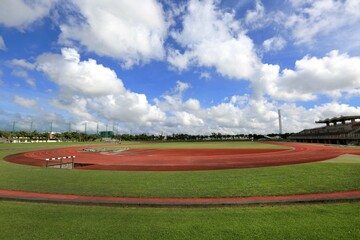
point(187, 159)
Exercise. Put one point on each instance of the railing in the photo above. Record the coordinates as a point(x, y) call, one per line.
point(341, 136)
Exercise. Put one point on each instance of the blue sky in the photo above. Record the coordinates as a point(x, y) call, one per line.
point(194, 67)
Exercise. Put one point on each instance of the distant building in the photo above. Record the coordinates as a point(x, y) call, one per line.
point(338, 130)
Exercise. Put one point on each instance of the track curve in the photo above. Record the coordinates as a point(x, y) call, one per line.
point(187, 159)
point(179, 202)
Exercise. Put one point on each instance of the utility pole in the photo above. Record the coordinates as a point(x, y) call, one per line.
point(13, 130)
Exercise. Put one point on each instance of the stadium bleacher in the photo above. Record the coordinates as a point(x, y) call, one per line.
point(338, 130)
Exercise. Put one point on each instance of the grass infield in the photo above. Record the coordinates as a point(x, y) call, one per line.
point(267, 181)
point(47, 221)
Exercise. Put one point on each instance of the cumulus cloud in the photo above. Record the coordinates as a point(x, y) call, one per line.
point(173, 100)
point(315, 18)
point(205, 75)
point(130, 31)
point(31, 83)
point(22, 13)
point(213, 38)
point(22, 63)
point(131, 108)
point(21, 68)
point(274, 44)
point(256, 18)
point(25, 102)
point(180, 61)
point(332, 75)
point(86, 78)
point(89, 90)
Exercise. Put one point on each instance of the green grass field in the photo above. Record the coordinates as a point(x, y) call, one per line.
point(312, 221)
point(282, 180)
point(47, 221)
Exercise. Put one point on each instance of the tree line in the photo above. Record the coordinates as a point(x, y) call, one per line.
point(81, 137)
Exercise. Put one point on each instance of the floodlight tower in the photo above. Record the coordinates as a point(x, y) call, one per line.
point(280, 123)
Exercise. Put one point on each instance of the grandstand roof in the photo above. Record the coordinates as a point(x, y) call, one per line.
point(338, 119)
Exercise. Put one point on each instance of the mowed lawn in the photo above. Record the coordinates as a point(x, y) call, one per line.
point(20, 220)
point(293, 179)
point(47, 221)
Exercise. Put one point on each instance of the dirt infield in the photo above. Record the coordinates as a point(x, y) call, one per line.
point(186, 159)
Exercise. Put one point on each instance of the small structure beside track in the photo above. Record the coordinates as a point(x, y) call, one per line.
point(60, 162)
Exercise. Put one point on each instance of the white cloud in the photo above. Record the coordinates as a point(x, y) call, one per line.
point(256, 18)
point(25, 102)
point(2, 43)
point(332, 75)
point(21, 68)
point(329, 110)
point(205, 75)
point(130, 108)
point(22, 13)
point(178, 60)
point(213, 38)
point(22, 63)
point(90, 91)
point(31, 83)
point(130, 31)
point(20, 73)
point(86, 78)
point(274, 44)
point(181, 87)
point(314, 18)
point(185, 119)
point(172, 101)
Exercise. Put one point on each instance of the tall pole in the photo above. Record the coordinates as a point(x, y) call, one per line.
point(85, 128)
point(280, 123)
point(97, 129)
point(31, 126)
point(69, 127)
point(51, 127)
point(13, 130)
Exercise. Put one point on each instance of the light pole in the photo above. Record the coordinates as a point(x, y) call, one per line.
point(13, 129)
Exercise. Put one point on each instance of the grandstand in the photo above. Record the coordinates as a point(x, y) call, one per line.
point(338, 130)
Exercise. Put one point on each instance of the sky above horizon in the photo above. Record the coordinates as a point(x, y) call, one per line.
point(196, 67)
